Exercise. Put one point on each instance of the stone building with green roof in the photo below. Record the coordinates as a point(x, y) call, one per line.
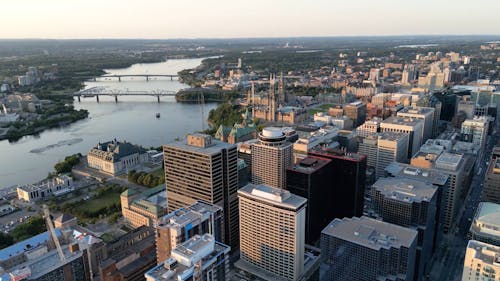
point(239, 132)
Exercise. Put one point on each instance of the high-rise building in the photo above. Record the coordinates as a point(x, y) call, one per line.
point(491, 190)
point(245, 153)
point(182, 224)
point(409, 74)
point(438, 179)
point(413, 204)
point(476, 131)
point(485, 224)
point(431, 101)
point(458, 167)
point(199, 258)
point(391, 146)
point(271, 156)
point(356, 111)
point(367, 249)
point(423, 113)
point(368, 146)
point(202, 169)
point(348, 173)
point(482, 262)
point(412, 126)
point(311, 179)
point(272, 232)
point(370, 127)
point(383, 148)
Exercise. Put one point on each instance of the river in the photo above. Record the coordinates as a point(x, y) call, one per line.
point(131, 119)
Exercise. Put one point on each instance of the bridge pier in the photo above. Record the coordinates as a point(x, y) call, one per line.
point(147, 78)
point(119, 79)
point(97, 97)
point(171, 78)
point(116, 98)
point(78, 98)
point(158, 97)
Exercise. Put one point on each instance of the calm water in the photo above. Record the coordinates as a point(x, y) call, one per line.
point(131, 119)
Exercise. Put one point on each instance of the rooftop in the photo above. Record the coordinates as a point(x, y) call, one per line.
point(26, 245)
point(392, 136)
point(402, 170)
point(416, 110)
point(449, 161)
point(406, 190)
point(199, 211)
point(215, 147)
point(487, 219)
point(310, 164)
point(487, 253)
point(49, 262)
point(276, 196)
point(184, 257)
point(403, 121)
point(371, 233)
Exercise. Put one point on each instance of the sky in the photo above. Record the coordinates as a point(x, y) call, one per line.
point(168, 19)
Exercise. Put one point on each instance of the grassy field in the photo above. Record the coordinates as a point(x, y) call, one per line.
point(101, 202)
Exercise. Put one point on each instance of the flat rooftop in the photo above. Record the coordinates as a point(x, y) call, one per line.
point(487, 219)
point(49, 262)
point(487, 253)
point(26, 245)
point(402, 170)
point(276, 196)
point(449, 161)
point(371, 233)
point(416, 110)
point(406, 190)
point(403, 121)
point(310, 164)
point(212, 149)
point(199, 211)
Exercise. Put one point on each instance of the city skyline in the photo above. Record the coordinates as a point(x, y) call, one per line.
point(154, 19)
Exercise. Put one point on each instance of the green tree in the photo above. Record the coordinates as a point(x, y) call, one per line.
point(5, 240)
point(34, 225)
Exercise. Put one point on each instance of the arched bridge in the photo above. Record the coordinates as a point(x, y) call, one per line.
point(103, 91)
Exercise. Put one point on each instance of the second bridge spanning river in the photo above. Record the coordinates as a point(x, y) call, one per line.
point(102, 91)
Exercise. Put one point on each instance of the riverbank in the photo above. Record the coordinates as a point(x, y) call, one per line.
point(17, 130)
point(209, 95)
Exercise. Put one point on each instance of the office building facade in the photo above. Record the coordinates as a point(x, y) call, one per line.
point(272, 231)
point(413, 204)
point(202, 169)
point(271, 156)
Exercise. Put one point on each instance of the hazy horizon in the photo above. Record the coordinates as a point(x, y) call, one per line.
point(225, 19)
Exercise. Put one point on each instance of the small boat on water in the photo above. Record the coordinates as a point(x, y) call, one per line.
point(157, 115)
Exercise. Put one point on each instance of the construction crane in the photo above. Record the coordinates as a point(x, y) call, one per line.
point(202, 106)
point(50, 227)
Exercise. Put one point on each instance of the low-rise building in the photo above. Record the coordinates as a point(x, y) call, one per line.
point(116, 157)
point(144, 208)
point(53, 187)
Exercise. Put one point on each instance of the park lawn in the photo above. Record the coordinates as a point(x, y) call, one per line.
point(325, 106)
point(313, 111)
point(98, 203)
